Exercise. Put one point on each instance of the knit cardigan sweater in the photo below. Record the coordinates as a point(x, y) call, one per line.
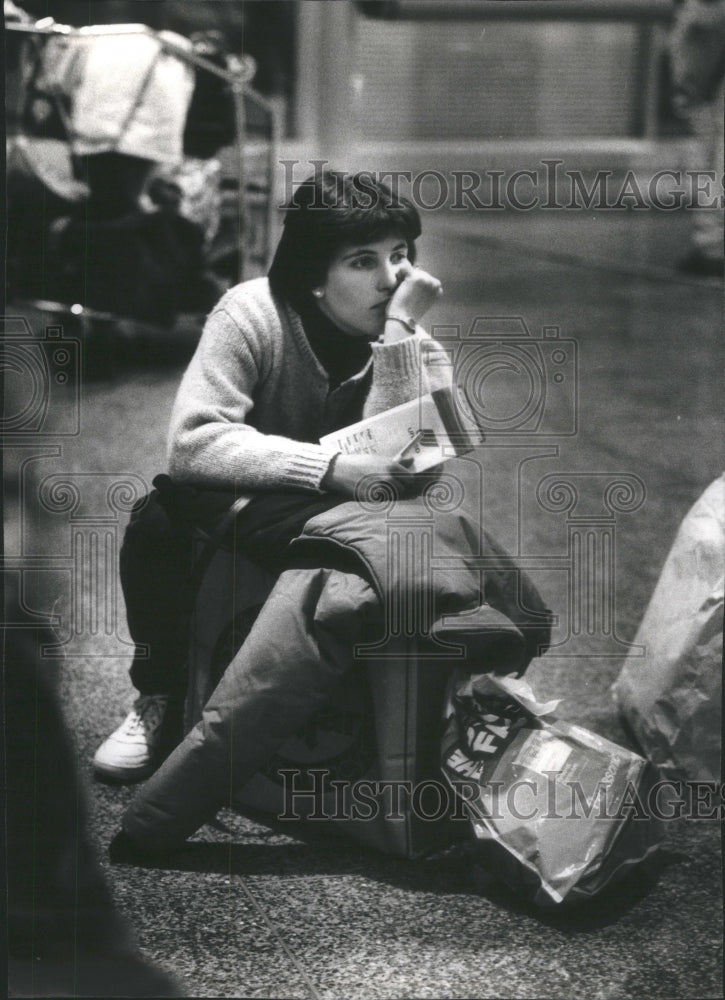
point(254, 401)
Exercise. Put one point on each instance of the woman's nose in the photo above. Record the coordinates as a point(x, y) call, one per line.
point(388, 276)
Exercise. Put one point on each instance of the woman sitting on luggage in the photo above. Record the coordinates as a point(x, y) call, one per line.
point(330, 337)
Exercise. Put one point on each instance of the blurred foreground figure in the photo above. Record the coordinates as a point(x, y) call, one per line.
point(697, 51)
point(65, 937)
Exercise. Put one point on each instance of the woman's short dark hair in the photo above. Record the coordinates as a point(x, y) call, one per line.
point(327, 212)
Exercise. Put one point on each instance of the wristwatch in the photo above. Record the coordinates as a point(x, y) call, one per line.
point(409, 322)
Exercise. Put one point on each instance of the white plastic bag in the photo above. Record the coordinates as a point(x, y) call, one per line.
point(671, 696)
point(558, 811)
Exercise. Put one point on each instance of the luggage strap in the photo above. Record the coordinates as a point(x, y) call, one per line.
point(200, 563)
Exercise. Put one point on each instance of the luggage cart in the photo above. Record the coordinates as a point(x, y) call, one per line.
point(48, 173)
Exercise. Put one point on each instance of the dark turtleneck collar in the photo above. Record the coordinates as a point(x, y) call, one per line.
point(341, 355)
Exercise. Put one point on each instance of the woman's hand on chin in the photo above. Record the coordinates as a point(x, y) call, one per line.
point(411, 300)
point(356, 476)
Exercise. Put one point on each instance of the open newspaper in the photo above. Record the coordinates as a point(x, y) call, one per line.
point(427, 430)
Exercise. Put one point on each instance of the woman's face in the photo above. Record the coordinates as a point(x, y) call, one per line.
point(359, 284)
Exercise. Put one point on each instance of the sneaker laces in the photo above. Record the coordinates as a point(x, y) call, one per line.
point(147, 714)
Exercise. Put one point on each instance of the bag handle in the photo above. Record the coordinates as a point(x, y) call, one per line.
point(201, 563)
point(171, 492)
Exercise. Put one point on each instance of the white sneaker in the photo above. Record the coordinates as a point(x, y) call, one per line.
point(130, 752)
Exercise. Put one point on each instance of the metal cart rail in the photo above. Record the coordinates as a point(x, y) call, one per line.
point(241, 247)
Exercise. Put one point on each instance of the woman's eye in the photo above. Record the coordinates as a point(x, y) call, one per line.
point(398, 257)
point(360, 263)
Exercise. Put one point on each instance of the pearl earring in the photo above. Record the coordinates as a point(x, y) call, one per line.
point(318, 293)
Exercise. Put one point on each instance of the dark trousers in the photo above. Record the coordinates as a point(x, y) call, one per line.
point(156, 564)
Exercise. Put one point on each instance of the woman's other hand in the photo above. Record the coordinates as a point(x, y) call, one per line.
point(355, 475)
point(415, 294)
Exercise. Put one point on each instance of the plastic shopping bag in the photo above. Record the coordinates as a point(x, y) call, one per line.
point(557, 810)
point(671, 696)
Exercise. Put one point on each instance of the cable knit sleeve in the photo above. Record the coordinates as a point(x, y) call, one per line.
point(211, 441)
point(405, 370)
